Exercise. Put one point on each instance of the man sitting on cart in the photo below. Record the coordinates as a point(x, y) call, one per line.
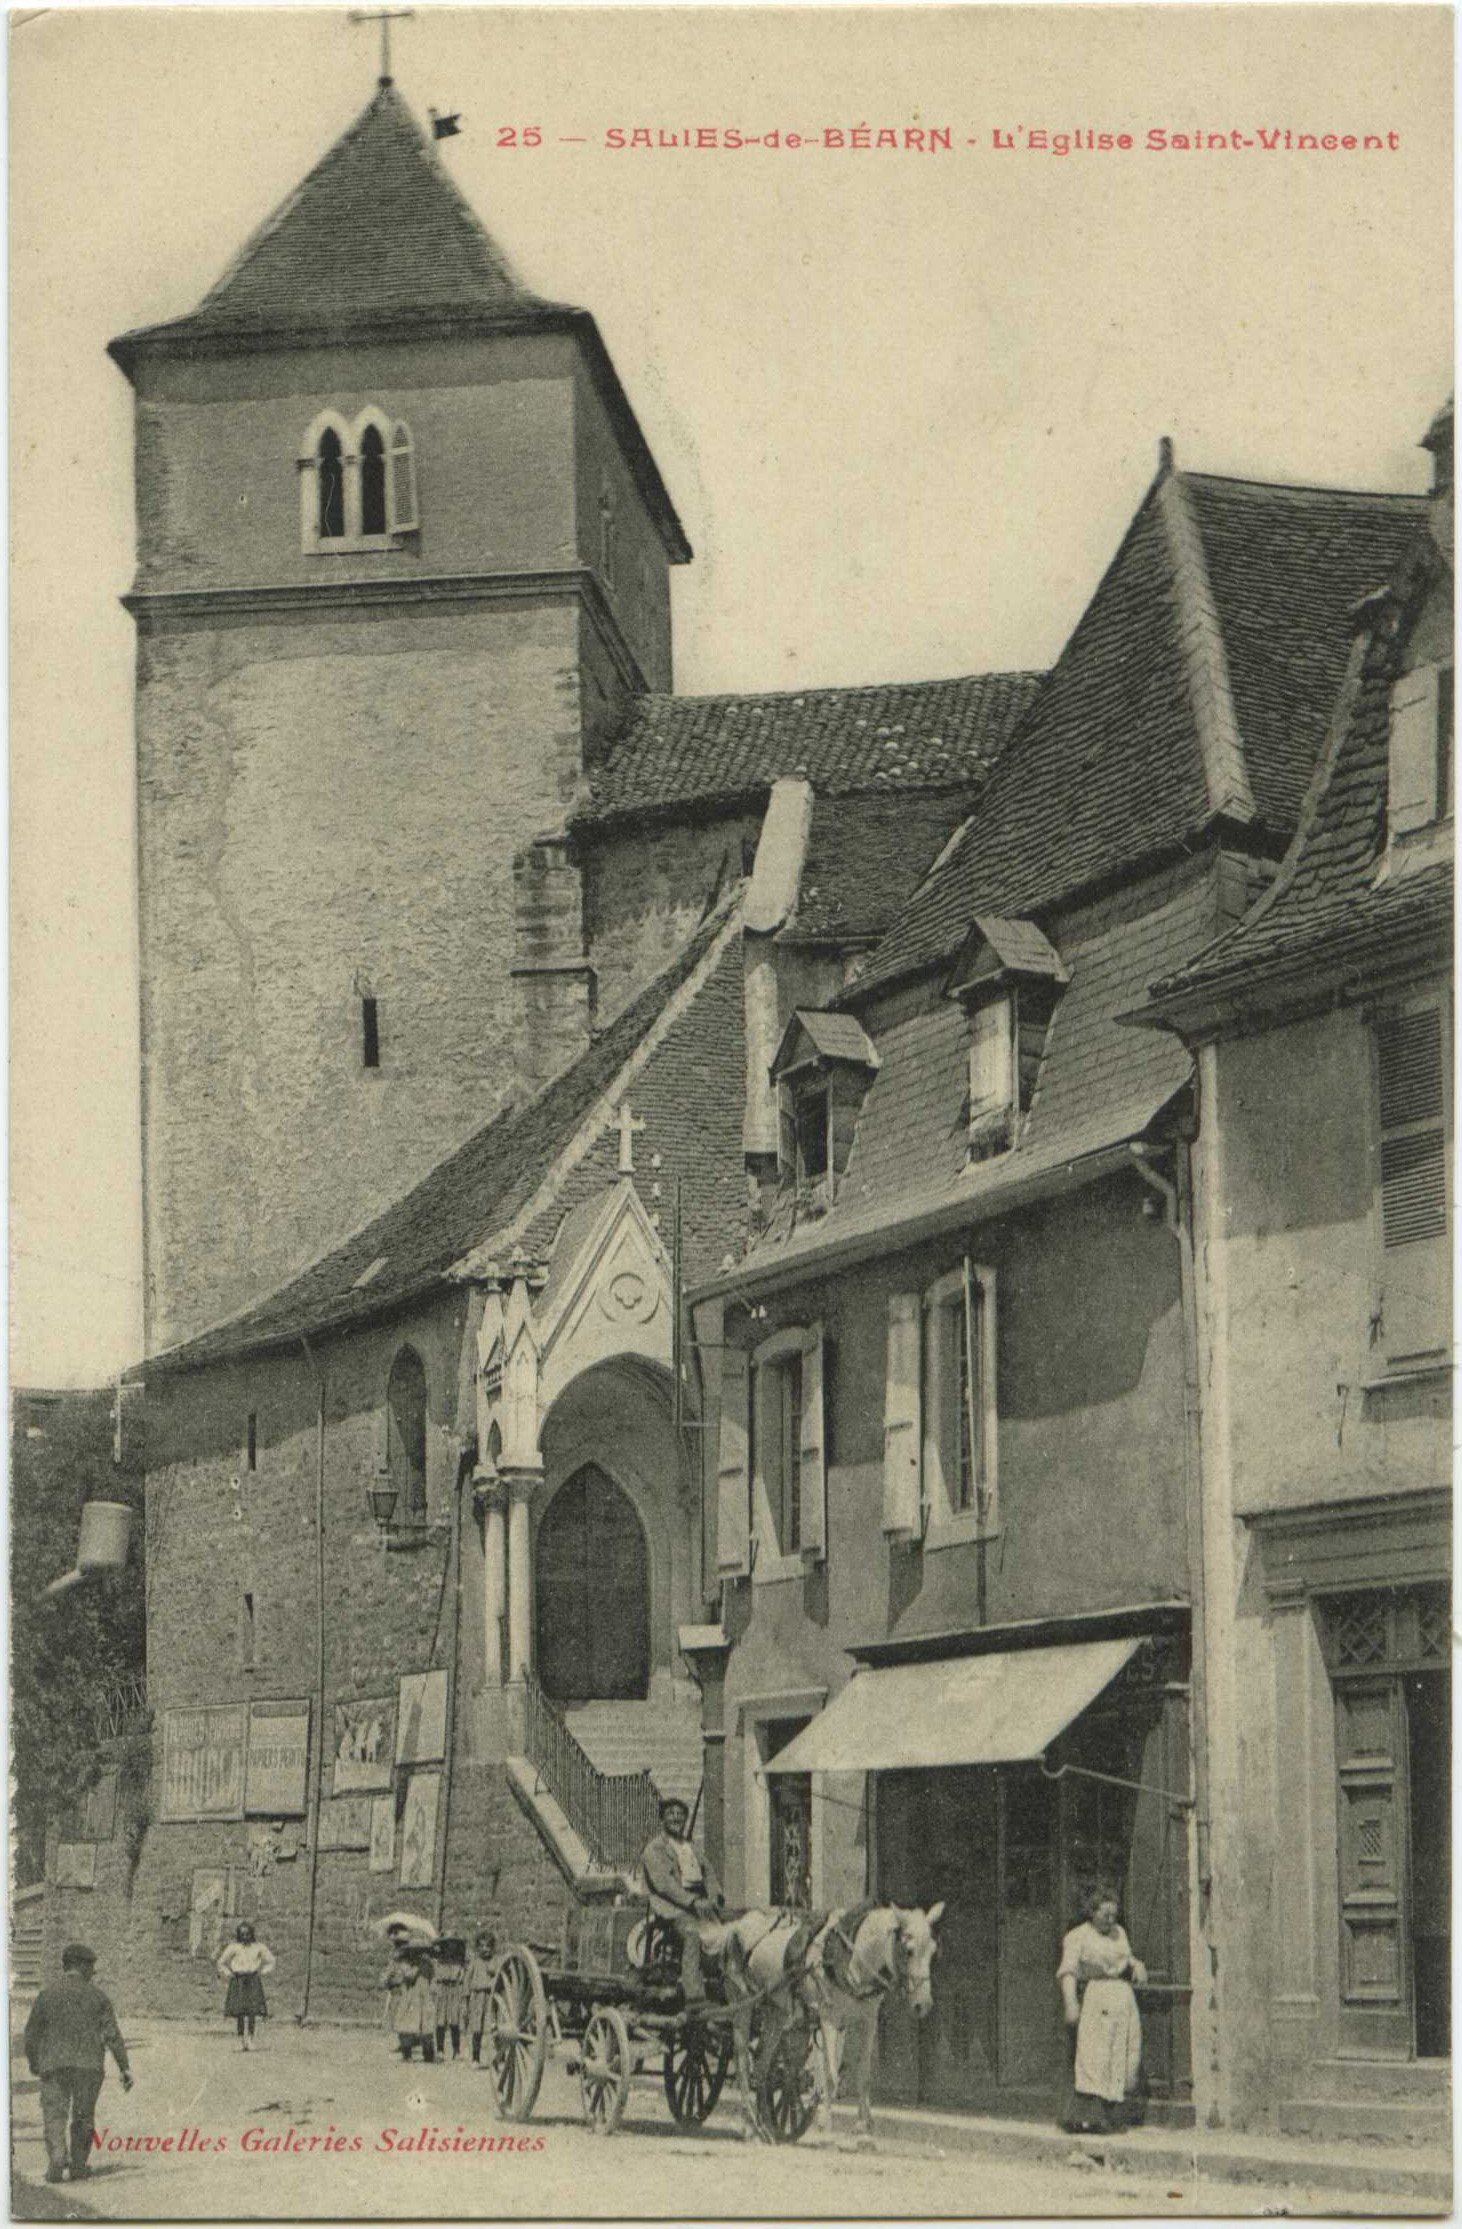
point(683, 1890)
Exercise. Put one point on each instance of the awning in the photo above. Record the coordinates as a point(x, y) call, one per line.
point(1003, 1709)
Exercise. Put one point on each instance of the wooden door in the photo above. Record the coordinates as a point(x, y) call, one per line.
point(593, 1594)
point(1370, 1756)
point(1428, 1699)
point(1030, 1937)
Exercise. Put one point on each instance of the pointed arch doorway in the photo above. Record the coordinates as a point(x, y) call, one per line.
point(592, 1594)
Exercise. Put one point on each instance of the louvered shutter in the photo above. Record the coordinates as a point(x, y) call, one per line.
point(1412, 793)
point(992, 1073)
point(733, 1481)
point(903, 1422)
point(402, 481)
point(812, 1534)
point(1415, 1265)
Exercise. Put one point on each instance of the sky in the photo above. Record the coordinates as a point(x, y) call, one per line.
point(905, 401)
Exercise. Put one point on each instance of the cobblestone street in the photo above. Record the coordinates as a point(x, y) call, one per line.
point(260, 2115)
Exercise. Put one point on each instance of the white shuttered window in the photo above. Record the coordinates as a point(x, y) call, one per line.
point(1414, 1157)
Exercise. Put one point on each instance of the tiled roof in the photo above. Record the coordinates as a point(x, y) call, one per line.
point(413, 1247)
point(1197, 685)
point(889, 737)
point(834, 1036)
point(1019, 946)
point(1100, 1084)
point(865, 856)
point(1330, 885)
point(377, 233)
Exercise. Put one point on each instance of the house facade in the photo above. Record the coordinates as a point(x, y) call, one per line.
point(1322, 1031)
point(959, 1483)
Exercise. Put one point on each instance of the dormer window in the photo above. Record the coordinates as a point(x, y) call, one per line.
point(1421, 779)
point(1008, 977)
point(811, 1118)
point(357, 483)
point(822, 1070)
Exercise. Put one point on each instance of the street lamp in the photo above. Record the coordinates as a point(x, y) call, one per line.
point(383, 1498)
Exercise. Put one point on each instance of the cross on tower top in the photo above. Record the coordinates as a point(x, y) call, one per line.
point(385, 17)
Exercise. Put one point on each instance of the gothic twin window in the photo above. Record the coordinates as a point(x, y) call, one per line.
point(357, 482)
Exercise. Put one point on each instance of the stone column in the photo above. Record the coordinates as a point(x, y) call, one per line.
point(520, 1576)
point(492, 1501)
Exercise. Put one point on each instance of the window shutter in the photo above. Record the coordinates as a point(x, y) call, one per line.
point(903, 1423)
point(1412, 798)
point(991, 1065)
point(402, 481)
point(1415, 1264)
point(733, 1481)
point(813, 1487)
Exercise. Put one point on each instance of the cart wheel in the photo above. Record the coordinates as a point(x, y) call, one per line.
point(786, 2099)
point(696, 2064)
point(517, 2028)
point(605, 2067)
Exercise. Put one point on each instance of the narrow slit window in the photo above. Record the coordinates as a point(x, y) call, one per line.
point(246, 1633)
point(370, 1034)
point(332, 486)
point(251, 1442)
point(372, 482)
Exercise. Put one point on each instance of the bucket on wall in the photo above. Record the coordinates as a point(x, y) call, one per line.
point(106, 1535)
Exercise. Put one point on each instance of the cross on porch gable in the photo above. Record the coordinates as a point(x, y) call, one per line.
point(629, 1123)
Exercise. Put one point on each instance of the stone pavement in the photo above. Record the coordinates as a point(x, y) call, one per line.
point(327, 2122)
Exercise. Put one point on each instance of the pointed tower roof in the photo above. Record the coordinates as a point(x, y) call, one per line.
point(376, 235)
point(378, 244)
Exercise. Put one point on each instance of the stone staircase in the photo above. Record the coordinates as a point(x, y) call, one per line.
point(1374, 2101)
point(662, 1738)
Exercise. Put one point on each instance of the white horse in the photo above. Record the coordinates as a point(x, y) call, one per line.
point(837, 1980)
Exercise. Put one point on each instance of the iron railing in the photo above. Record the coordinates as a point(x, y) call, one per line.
point(614, 1813)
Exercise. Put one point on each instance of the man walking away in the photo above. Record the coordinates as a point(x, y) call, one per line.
point(70, 2030)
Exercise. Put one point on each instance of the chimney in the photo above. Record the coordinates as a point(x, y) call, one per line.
point(553, 983)
point(1438, 438)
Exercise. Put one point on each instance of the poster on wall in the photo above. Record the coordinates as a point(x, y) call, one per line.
point(383, 1834)
point(364, 1745)
point(421, 1729)
point(203, 1763)
point(279, 1754)
point(209, 1908)
point(76, 1865)
point(345, 1823)
point(419, 1830)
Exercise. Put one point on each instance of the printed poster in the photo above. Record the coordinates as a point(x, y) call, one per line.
point(419, 1830)
point(345, 1823)
point(421, 1731)
point(279, 1756)
point(383, 1834)
point(203, 1762)
point(76, 1865)
point(365, 1744)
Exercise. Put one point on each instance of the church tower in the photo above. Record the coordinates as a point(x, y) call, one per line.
point(403, 553)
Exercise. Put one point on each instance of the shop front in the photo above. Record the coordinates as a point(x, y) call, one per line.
point(1007, 1784)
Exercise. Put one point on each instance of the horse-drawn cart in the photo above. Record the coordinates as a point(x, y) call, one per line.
point(608, 2001)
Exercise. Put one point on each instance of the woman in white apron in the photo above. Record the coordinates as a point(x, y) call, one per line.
point(1096, 1974)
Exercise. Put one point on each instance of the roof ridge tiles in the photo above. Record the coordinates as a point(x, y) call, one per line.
point(1205, 658)
point(1400, 496)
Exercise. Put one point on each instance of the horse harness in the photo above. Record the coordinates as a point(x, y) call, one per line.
point(834, 1951)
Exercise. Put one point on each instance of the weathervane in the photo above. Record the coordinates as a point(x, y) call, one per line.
point(385, 17)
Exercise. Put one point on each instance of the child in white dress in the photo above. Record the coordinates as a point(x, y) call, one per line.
point(243, 1963)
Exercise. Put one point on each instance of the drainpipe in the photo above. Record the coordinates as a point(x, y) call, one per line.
point(1177, 1201)
point(312, 1823)
point(449, 1764)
